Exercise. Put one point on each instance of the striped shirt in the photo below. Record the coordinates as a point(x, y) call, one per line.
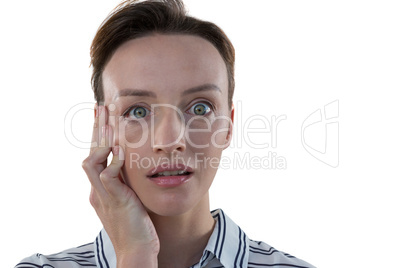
point(228, 246)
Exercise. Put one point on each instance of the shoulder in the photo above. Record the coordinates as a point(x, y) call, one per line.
point(263, 254)
point(71, 258)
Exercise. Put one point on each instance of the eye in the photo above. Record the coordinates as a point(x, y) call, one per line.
point(200, 109)
point(136, 112)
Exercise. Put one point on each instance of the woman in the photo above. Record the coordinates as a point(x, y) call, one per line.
point(164, 83)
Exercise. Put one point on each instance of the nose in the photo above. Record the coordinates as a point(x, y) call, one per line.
point(168, 132)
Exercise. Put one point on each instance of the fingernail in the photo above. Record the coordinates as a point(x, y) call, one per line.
point(100, 110)
point(116, 150)
point(95, 109)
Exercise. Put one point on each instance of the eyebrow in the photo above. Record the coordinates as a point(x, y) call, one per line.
point(147, 93)
point(134, 92)
point(201, 88)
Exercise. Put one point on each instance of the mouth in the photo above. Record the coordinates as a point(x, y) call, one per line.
point(170, 173)
point(170, 176)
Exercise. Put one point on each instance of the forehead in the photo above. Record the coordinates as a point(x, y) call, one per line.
point(165, 64)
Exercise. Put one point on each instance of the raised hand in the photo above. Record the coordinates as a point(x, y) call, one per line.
point(122, 214)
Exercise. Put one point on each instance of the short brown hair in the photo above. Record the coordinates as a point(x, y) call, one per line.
point(133, 19)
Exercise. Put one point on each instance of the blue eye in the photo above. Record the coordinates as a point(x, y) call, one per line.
point(137, 112)
point(200, 109)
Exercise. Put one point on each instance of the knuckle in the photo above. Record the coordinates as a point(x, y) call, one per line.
point(86, 163)
point(104, 175)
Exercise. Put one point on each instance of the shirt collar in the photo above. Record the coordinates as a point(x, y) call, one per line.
point(104, 251)
point(228, 243)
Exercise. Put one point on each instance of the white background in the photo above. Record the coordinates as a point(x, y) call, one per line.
point(293, 57)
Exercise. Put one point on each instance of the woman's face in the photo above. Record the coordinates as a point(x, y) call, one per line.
point(167, 97)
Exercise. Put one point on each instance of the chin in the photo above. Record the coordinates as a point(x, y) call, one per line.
point(169, 205)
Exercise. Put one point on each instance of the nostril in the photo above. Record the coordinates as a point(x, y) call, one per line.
point(178, 147)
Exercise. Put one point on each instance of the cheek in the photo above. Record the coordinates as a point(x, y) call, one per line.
point(198, 132)
point(132, 135)
point(210, 134)
point(220, 133)
point(134, 165)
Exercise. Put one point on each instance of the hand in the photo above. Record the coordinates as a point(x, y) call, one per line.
point(122, 214)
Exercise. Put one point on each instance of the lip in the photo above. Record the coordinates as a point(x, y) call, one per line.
point(162, 168)
point(170, 181)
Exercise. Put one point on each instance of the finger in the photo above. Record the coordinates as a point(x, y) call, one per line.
point(107, 137)
point(110, 177)
point(95, 130)
point(101, 117)
point(93, 165)
point(96, 162)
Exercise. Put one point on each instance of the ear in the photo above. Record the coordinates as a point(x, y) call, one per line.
point(230, 128)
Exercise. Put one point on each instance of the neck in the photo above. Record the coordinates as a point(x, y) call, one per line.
point(183, 237)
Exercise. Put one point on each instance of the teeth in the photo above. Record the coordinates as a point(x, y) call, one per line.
point(172, 173)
